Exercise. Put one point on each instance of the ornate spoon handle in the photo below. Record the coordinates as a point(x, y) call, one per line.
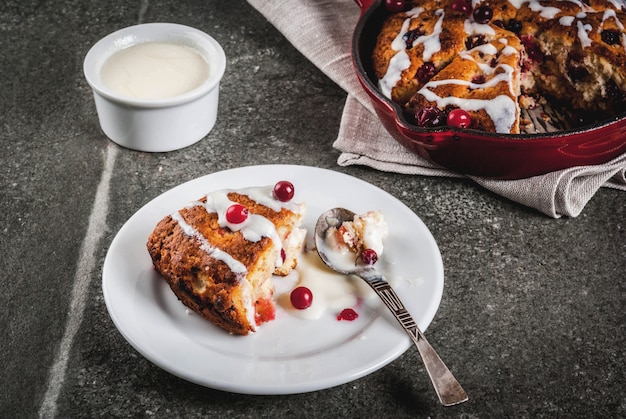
point(447, 387)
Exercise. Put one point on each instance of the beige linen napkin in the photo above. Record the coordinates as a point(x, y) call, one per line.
point(322, 31)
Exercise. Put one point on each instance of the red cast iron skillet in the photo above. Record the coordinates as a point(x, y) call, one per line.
point(472, 152)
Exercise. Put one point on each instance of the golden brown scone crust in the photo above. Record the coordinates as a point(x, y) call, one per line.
point(205, 284)
point(469, 67)
point(452, 41)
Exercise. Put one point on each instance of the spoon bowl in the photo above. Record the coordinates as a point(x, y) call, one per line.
point(446, 386)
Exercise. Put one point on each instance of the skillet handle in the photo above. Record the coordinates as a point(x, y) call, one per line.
point(364, 4)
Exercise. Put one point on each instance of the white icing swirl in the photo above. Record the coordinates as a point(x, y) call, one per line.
point(502, 109)
point(253, 229)
point(610, 14)
point(431, 42)
point(583, 29)
point(234, 265)
point(544, 11)
point(472, 28)
point(398, 63)
point(401, 61)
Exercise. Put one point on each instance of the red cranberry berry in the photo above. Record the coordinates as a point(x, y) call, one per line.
point(411, 36)
point(482, 14)
point(369, 256)
point(283, 255)
point(301, 298)
point(610, 37)
point(473, 41)
point(514, 26)
point(395, 6)
point(533, 50)
point(461, 6)
point(236, 214)
point(283, 191)
point(429, 116)
point(347, 314)
point(459, 118)
point(264, 311)
point(479, 79)
point(425, 72)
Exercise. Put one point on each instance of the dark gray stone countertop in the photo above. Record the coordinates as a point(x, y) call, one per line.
point(532, 316)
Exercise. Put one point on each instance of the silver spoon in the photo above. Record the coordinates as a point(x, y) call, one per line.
point(447, 387)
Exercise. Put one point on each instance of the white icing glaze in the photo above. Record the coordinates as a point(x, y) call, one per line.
point(472, 28)
point(582, 5)
point(253, 229)
point(431, 42)
point(582, 34)
point(415, 12)
point(398, 63)
point(334, 291)
point(545, 12)
point(487, 49)
point(337, 251)
point(264, 195)
point(234, 265)
point(364, 231)
point(500, 77)
point(502, 109)
point(509, 50)
point(610, 14)
point(618, 4)
point(398, 43)
point(331, 291)
point(401, 61)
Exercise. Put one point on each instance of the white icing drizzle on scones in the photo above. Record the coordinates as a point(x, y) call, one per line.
point(556, 45)
point(400, 61)
point(253, 228)
point(234, 265)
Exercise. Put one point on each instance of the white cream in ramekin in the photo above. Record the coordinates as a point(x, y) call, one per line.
point(179, 117)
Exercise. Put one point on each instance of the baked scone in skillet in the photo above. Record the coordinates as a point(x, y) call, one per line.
point(572, 53)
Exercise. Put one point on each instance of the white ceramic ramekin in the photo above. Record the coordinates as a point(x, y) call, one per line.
point(156, 125)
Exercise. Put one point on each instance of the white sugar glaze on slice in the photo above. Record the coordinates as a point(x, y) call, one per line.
point(234, 265)
point(401, 61)
point(431, 42)
point(253, 229)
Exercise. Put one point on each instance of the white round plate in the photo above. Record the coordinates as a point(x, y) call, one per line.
point(287, 355)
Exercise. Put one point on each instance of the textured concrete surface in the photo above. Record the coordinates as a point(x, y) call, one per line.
point(532, 318)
